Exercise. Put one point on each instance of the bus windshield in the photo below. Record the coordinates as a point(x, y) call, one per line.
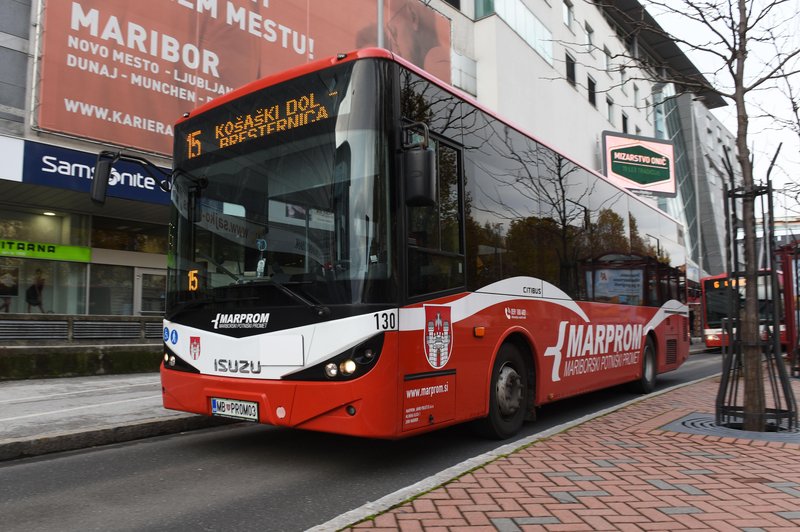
point(281, 197)
point(722, 292)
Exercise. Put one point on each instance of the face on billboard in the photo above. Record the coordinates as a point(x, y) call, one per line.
point(123, 72)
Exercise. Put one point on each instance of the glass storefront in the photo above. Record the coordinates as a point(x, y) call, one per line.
point(42, 262)
point(42, 286)
point(46, 265)
point(125, 235)
point(111, 290)
point(151, 292)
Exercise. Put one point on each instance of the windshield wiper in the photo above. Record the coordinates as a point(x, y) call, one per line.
point(220, 267)
point(194, 303)
point(321, 310)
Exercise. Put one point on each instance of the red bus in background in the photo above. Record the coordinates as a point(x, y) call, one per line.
point(723, 293)
point(787, 256)
point(358, 248)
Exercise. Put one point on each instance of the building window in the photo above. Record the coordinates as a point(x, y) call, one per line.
point(591, 87)
point(624, 123)
point(455, 3)
point(570, 69)
point(111, 290)
point(43, 282)
point(589, 38)
point(635, 96)
point(607, 59)
point(568, 13)
point(123, 235)
point(484, 8)
point(631, 46)
point(522, 20)
point(39, 286)
point(610, 109)
point(623, 79)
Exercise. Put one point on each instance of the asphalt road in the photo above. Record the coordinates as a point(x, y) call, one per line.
point(251, 477)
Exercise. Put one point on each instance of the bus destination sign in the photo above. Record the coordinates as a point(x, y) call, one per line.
point(263, 121)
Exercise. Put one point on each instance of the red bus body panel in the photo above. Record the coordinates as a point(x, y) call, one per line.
point(412, 390)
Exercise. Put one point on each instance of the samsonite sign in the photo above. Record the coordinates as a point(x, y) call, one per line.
point(37, 163)
point(639, 163)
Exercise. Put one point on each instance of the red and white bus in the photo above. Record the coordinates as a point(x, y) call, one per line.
point(358, 248)
point(723, 293)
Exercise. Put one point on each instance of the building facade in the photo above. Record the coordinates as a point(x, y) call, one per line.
point(556, 68)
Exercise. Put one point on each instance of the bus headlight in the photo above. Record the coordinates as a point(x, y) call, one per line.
point(365, 356)
point(347, 367)
point(349, 364)
point(331, 370)
point(174, 362)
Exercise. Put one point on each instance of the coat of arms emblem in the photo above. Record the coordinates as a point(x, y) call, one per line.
point(438, 335)
point(194, 347)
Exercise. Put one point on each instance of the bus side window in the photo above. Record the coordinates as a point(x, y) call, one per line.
point(434, 233)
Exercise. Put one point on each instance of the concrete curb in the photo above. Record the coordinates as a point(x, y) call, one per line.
point(11, 449)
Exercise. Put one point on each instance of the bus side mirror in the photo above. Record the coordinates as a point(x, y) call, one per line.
point(102, 171)
point(420, 176)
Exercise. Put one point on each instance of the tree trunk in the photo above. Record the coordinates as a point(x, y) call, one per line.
point(754, 404)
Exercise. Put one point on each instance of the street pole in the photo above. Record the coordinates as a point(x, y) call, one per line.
point(380, 24)
point(696, 187)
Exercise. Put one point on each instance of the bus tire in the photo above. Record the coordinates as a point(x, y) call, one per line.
point(509, 394)
point(647, 382)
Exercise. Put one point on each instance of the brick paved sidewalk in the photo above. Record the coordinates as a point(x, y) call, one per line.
point(622, 472)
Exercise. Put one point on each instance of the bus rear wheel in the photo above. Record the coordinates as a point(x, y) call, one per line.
point(509, 394)
point(647, 382)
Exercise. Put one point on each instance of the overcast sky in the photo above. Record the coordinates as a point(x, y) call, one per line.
point(763, 137)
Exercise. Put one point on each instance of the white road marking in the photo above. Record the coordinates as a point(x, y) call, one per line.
point(79, 408)
point(89, 390)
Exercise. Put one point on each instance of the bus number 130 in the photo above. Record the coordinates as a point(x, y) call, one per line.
point(385, 321)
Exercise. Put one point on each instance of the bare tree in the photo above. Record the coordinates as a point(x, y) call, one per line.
point(787, 119)
point(729, 34)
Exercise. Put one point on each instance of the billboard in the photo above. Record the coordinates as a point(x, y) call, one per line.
point(617, 286)
point(123, 72)
point(639, 163)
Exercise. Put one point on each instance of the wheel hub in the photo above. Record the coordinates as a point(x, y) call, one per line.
point(509, 391)
point(649, 367)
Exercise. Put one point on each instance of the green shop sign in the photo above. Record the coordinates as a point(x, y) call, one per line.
point(41, 250)
point(640, 165)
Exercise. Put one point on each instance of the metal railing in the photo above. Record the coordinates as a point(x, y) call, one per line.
point(52, 329)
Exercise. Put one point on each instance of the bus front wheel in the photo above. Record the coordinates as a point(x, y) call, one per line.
point(509, 394)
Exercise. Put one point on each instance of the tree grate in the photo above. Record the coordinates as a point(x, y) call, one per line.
point(706, 425)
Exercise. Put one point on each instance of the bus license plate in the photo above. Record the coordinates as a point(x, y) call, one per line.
point(234, 408)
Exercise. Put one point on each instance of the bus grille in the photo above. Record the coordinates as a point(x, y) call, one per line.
point(672, 351)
